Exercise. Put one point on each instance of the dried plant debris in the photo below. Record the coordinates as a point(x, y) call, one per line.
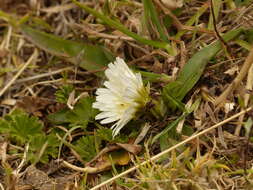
point(190, 129)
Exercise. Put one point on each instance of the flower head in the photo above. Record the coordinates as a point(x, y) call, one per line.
point(124, 95)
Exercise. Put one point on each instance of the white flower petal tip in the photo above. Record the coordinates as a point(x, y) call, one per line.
point(123, 96)
point(229, 107)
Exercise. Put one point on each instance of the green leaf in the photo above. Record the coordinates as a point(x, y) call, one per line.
point(154, 77)
point(24, 127)
point(59, 117)
point(82, 113)
point(21, 127)
point(63, 93)
point(85, 147)
point(47, 146)
point(87, 56)
point(192, 71)
point(174, 101)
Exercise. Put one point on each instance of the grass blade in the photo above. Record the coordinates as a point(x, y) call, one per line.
point(151, 15)
point(216, 6)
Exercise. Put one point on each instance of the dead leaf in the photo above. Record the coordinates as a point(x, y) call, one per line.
point(72, 100)
point(35, 177)
point(232, 70)
point(173, 4)
point(143, 133)
point(105, 162)
point(34, 105)
point(115, 154)
point(134, 149)
point(58, 8)
point(106, 158)
point(40, 180)
point(120, 158)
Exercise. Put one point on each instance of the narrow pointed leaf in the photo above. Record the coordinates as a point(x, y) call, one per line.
point(193, 70)
point(87, 56)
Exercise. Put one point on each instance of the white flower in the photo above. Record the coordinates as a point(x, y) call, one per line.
point(123, 96)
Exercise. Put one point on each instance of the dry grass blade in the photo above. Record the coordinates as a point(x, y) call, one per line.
point(31, 59)
point(1, 186)
point(59, 8)
point(156, 157)
point(38, 76)
point(249, 86)
point(247, 64)
point(76, 168)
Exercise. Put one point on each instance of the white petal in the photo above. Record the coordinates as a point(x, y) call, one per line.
point(103, 115)
point(109, 120)
point(121, 97)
